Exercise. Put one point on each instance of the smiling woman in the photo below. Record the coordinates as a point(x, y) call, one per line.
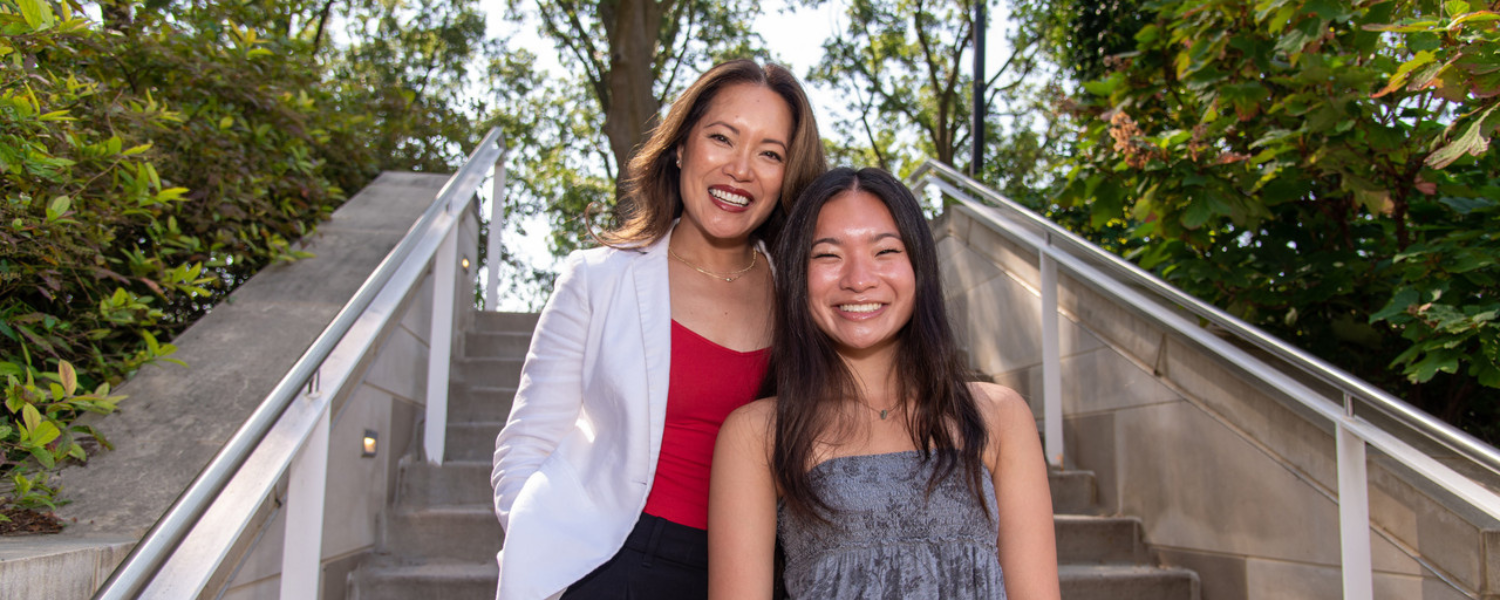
point(859, 278)
point(732, 169)
point(601, 472)
point(883, 471)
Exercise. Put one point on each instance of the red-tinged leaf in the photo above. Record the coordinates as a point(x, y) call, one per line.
point(1424, 76)
point(1473, 141)
point(31, 417)
point(103, 273)
point(155, 287)
point(69, 376)
point(1399, 78)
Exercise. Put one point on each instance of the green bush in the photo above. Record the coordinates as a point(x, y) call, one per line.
point(147, 169)
point(1320, 169)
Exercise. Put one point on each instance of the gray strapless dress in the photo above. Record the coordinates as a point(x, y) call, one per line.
point(887, 540)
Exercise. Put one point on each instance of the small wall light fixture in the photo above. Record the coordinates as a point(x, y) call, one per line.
point(466, 263)
point(369, 444)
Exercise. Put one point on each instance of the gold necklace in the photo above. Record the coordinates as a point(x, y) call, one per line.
point(725, 277)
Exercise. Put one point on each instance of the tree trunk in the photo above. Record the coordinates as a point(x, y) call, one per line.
point(633, 28)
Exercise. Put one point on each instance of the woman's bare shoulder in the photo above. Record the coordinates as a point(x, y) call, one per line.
point(1002, 407)
point(753, 419)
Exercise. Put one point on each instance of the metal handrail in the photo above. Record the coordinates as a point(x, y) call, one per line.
point(1436, 430)
point(152, 551)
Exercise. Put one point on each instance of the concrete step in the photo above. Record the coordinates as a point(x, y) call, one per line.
point(449, 581)
point(471, 441)
point(1118, 582)
point(470, 404)
point(487, 372)
point(503, 321)
point(502, 344)
point(468, 534)
point(1099, 540)
point(456, 483)
point(1073, 492)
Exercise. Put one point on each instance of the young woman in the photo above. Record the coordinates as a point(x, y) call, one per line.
point(885, 472)
point(601, 471)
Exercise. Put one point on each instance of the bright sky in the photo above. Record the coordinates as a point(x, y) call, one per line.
point(795, 37)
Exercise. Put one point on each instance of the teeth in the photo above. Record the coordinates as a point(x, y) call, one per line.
point(734, 199)
point(860, 308)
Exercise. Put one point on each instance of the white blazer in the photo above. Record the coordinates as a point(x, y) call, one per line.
point(577, 456)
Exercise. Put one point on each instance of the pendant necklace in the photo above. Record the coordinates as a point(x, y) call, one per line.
point(884, 412)
point(725, 277)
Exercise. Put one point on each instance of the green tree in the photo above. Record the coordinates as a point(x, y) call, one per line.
point(412, 66)
point(151, 163)
point(1319, 169)
point(573, 132)
point(904, 68)
point(147, 169)
point(553, 164)
point(635, 54)
point(1083, 36)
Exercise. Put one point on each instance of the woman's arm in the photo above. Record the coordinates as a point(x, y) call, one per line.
point(742, 507)
point(1023, 500)
point(550, 394)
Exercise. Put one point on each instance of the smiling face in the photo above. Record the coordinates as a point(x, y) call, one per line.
point(733, 161)
point(860, 283)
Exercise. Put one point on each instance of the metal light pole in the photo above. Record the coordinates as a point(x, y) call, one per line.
point(976, 164)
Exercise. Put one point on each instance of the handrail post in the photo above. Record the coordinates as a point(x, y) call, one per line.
point(1354, 511)
point(1429, 426)
point(439, 349)
point(1051, 360)
point(307, 487)
point(492, 249)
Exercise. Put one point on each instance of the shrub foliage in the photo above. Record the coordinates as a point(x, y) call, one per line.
point(149, 165)
point(1321, 168)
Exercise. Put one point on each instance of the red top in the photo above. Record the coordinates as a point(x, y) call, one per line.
point(707, 382)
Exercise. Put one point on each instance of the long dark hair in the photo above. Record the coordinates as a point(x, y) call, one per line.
point(652, 197)
point(812, 381)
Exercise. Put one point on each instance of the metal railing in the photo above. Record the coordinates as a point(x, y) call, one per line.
point(289, 430)
point(1133, 286)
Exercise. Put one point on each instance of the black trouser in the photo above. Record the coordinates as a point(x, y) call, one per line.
point(661, 559)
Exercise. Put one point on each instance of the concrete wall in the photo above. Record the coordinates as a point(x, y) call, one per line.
point(389, 399)
point(1230, 479)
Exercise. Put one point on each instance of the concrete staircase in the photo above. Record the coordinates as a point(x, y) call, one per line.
point(440, 536)
point(1105, 557)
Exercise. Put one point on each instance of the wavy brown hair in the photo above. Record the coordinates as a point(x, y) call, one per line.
point(651, 195)
point(812, 381)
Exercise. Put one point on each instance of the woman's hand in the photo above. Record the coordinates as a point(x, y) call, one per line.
point(1023, 500)
point(742, 507)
